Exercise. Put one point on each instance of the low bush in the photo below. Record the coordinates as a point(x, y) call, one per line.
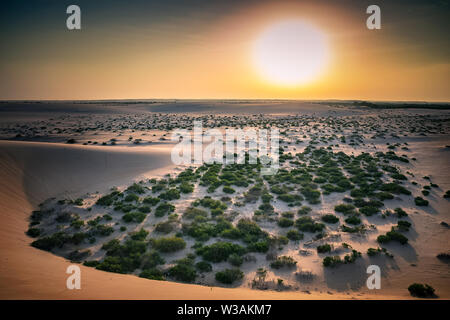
point(330, 218)
point(324, 248)
point(220, 251)
point(294, 235)
point(345, 208)
point(131, 197)
point(353, 220)
point(192, 213)
point(304, 210)
point(48, 243)
point(170, 244)
point(285, 222)
point(151, 201)
point(163, 209)
point(184, 270)
point(171, 194)
point(108, 199)
point(394, 188)
point(235, 259)
point(151, 260)
point(228, 190)
point(153, 274)
point(419, 201)
point(331, 261)
point(164, 227)
point(34, 232)
point(139, 235)
point(137, 217)
point(392, 236)
point(259, 246)
point(421, 290)
point(228, 276)
point(283, 262)
point(306, 224)
point(400, 212)
point(203, 266)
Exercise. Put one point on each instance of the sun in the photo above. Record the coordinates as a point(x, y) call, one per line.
point(291, 53)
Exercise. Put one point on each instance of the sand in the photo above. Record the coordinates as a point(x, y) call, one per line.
point(31, 172)
point(28, 273)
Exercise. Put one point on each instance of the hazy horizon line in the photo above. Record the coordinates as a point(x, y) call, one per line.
point(222, 99)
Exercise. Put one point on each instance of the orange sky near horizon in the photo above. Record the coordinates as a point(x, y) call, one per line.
point(187, 57)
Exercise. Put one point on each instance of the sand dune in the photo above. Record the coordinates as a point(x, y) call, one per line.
point(32, 172)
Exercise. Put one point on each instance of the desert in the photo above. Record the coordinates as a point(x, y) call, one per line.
point(93, 184)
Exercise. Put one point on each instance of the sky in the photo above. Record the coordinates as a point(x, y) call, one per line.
point(205, 50)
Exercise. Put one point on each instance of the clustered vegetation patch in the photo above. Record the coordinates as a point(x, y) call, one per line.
point(209, 224)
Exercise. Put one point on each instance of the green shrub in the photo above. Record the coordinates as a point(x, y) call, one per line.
point(78, 255)
point(164, 208)
point(235, 259)
point(369, 210)
point(131, 197)
point(228, 276)
point(394, 188)
point(353, 220)
point(259, 246)
point(220, 251)
point(164, 227)
point(419, 201)
point(285, 222)
point(136, 188)
point(171, 194)
point(184, 271)
point(306, 224)
point(186, 187)
point(400, 212)
point(151, 201)
point(283, 262)
point(373, 252)
point(350, 258)
point(304, 210)
point(294, 235)
point(139, 235)
point(33, 232)
point(151, 260)
point(403, 225)
point(356, 229)
point(153, 274)
point(144, 209)
point(108, 199)
point(192, 213)
point(170, 244)
point(288, 214)
point(92, 263)
point(48, 243)
point(103, 230)
point(331, 261)
point(78, 238)
point(330, 218)
point(421, 290)
point(137, 217)
point(201, 231)
point(345, 208)
point(324, 248)
point(228, 190)
point(392, 236)
point(203, 266)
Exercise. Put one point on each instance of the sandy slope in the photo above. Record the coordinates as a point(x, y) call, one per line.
point(32, 172)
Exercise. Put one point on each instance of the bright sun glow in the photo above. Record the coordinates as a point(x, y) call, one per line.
point(291, 53)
